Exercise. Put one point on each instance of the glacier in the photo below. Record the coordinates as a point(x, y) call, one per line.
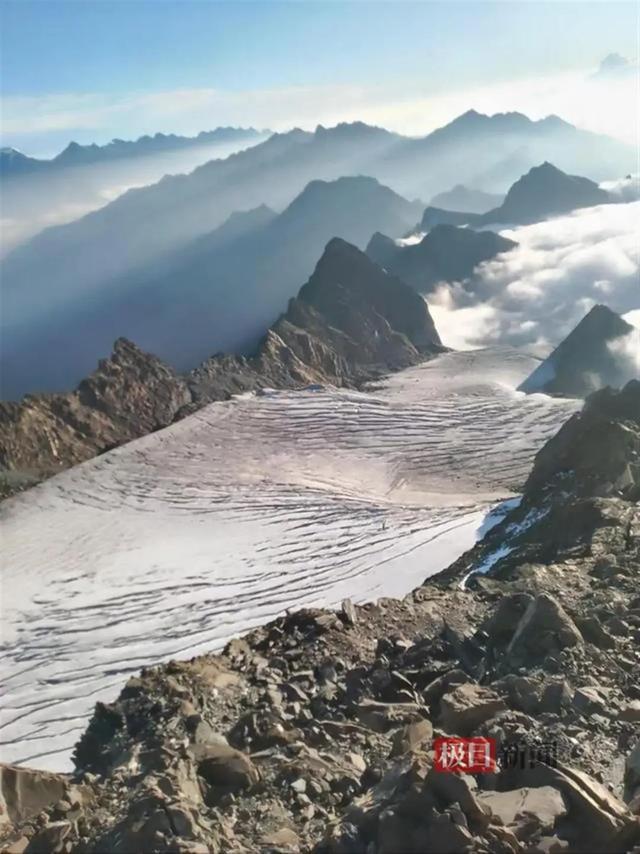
point(173, 544)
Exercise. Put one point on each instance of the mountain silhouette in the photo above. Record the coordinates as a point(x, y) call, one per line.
point(543, 192)
point(13, 162)
point(446, 254)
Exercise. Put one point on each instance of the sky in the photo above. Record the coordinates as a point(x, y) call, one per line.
point(91, 70)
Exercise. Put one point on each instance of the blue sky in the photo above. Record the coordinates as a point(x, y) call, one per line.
point(94, 69)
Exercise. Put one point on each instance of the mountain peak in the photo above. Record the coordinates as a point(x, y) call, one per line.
point(353, 293)
point(586, 359)
point(545, 191)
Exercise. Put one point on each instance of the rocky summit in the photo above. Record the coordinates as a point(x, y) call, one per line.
point(318, 731)
point(351, 322)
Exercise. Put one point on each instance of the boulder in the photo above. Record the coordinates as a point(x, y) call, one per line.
point(412, 736)
point(221, 765)
point(630, 712)
point(594, 812)
point(544, 629)
point(526, 811)
point(25, 792)
point(589, 701)
point(381, 717)
point(632, 772)
point(467, 707)
point(556, 696)
point(50, 839)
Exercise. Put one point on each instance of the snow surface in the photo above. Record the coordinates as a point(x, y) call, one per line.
point(173, 544)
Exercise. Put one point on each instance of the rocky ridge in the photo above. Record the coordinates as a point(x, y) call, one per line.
point(316, 731)
point(350, 323)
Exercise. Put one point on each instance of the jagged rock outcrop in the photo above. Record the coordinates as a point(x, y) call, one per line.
point(581, 496)
point(596, 453)
point(350, 323)
point(316, 732)
point(131, 393)
point(445, 254)
point(597, 353)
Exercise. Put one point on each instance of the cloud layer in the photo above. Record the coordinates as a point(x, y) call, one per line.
point(534, 295)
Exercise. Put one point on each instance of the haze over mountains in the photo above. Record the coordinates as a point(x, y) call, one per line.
point(14, 163)
point(220, 293)
point(39, 193)
point(461, 198)
point(143, 224)
point(151, 266)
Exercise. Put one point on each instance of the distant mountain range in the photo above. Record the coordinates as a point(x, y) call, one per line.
point(350, 323)
point(220, 292)
point(543, 192)
point(37, 194)
point(445, 254)
point(602, 350)
point(14, 163)
point(148, 266)
point(143, 223)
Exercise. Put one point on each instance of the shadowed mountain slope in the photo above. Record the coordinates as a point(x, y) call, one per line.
point(446, 254)
point(598, 352)
point(351, 322)
point(143, 224)
point(218, 293)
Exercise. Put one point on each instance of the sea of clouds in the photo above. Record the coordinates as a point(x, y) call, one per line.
point(533, 296)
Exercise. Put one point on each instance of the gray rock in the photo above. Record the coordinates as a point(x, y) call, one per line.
point(519, 809)
point(50, 839)
point(467, 707)
point(544, 629)
point(221, 765)
point(413, 736)
point(25, 792)
point(588, 701)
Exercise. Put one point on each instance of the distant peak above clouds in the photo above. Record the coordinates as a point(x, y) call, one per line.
point(616, 65)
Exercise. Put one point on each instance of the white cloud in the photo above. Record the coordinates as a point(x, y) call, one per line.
point(534, 295)
point(627, 351)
